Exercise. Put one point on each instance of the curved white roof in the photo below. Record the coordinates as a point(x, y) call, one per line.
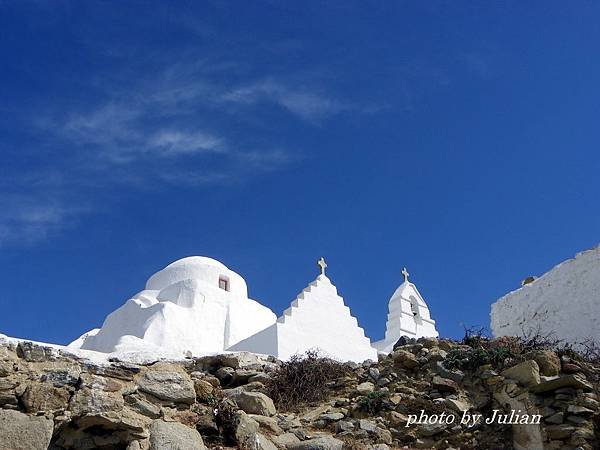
point(197, 260)
point(201, 268)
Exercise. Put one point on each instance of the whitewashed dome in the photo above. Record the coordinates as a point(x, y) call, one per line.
point(202, 269)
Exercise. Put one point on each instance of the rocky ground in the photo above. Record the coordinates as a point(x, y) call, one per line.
point(49, 399)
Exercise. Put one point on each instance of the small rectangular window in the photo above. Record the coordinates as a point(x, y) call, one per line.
point(224, 284)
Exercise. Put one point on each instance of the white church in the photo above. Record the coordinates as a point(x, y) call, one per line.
point(197, 306)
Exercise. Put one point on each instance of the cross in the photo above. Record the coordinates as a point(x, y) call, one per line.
point(405, 273)
point(322, 264)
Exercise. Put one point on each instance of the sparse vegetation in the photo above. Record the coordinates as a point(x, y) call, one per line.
point(304, 379)
point(506, 351)
point(226, 420)
point(418, 404)
point(373, 403)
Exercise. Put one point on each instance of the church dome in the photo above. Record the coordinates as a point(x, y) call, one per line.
point(206, 270)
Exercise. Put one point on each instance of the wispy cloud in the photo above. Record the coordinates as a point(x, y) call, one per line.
point(28, 218)
point(178, 142)
point(120, 135)
point(306, 104)
point(172, 128)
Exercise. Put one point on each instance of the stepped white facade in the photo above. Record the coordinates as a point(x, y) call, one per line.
point(408, 315)
point(316, 319)
point(193, 306)
point(564, 303)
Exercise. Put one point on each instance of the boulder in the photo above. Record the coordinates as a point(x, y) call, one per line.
point(320, 443)
point(8, 394)
point(332, 417)
point(87, 402)
point(374, 373)
point(259, 442)
point(431, 429)
point(134, 445)
point(225, 375)
point(580, 410)
point(245, 428)
point(574, 381)
point(268, 424)
point(169, 383)
point(121, 370)
point(8, 398)
point(255, 403)
point(285, 440)
point(457, 405)
point(125, 425)
point(60, 373)
point(174, 436)
point(260, 377)
point(405, 359)
point(404, 340)
point(526, 373)
point(313, 413)
point(383, 436)
point(45, 397)
point(367, 425)
point(99, 383)
point(436, 355)
point(556, 418)
point(559, 431)
point(444, 384)
point(547, 360)
point(428, 342)
point(365, 388)
point(454, 375)
point(31, 352)
point(6, 368)
point(203, 389)
point(245, 360)
point(143, 406)
point(22, 432)
point(343, 426)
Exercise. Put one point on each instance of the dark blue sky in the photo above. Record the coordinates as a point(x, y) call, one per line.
point(460, 139)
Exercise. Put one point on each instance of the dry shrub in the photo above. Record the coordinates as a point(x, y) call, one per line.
point(351, 443)
point(589, 351)
point(304, 379)
point(226, 420)
point(505, 351)
point(418, 404)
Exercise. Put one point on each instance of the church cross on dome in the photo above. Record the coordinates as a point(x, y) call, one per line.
point(406, 274)
point(322, 264)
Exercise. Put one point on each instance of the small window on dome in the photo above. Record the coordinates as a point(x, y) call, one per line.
point(224, 283)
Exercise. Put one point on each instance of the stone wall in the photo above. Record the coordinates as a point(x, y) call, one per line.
point(52, 400)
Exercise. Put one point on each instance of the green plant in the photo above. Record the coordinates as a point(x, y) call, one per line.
point(472, 358)
point(373, 402)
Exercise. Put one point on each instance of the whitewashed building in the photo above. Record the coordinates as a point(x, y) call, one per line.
point(563, 303)
point(197, 306)
point(316, 319)
point(193, 306)
point(408, 315)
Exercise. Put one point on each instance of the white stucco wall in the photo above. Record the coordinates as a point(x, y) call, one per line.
point(564, 301)
point(402, 320)
point(316, 319)
point(183, 310)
